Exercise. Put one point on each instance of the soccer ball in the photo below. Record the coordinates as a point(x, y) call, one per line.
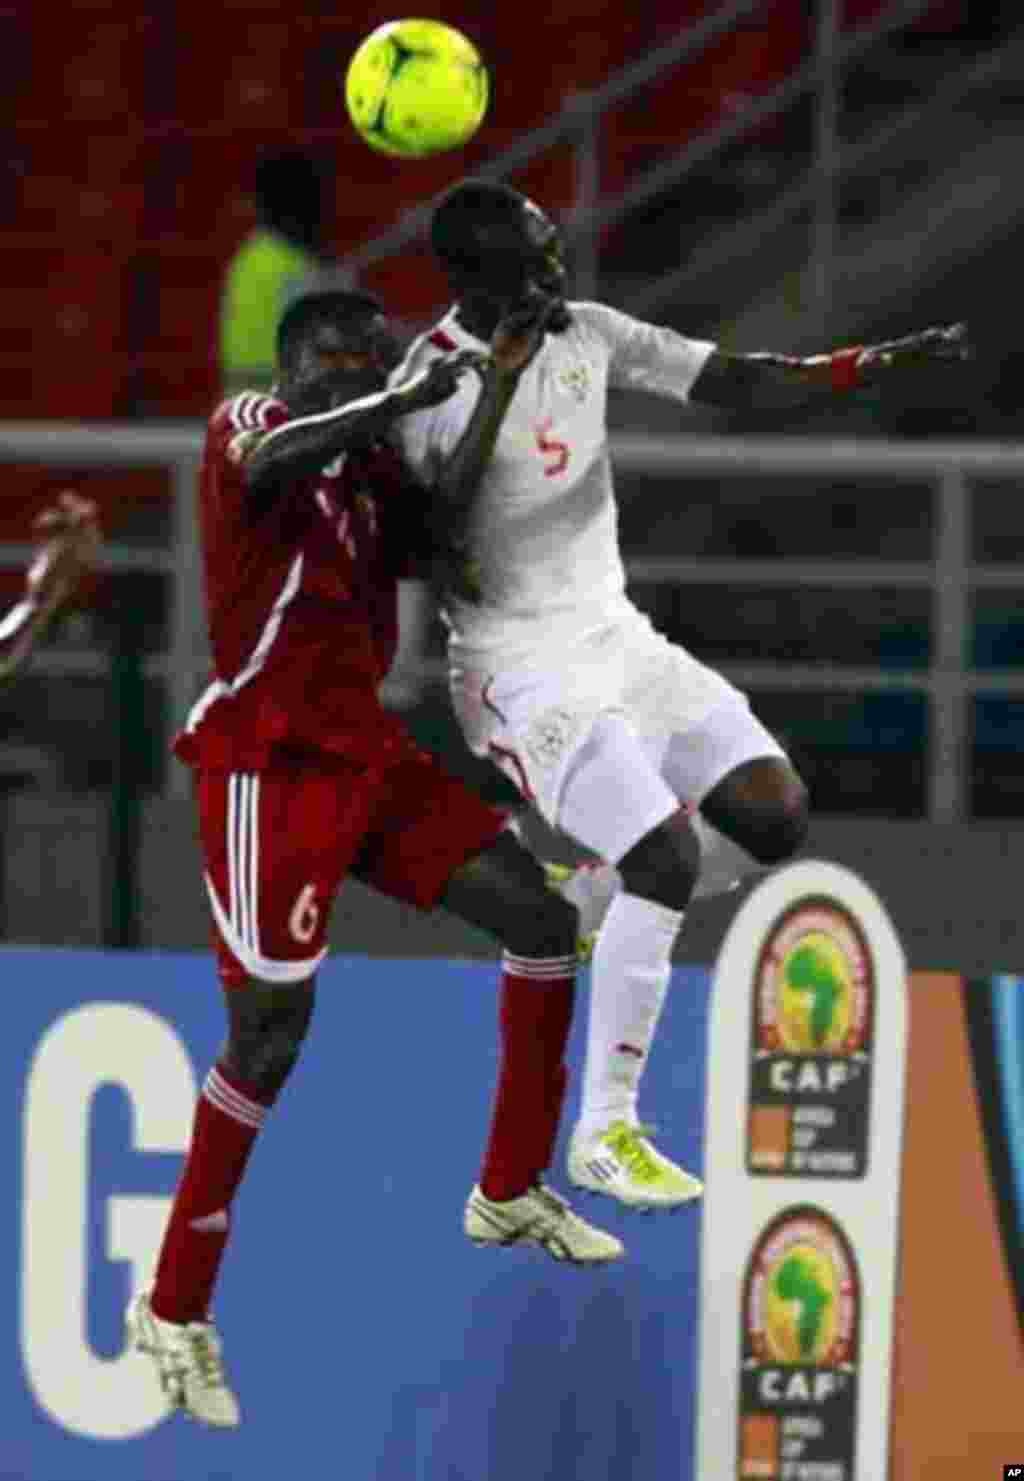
point(415, 88)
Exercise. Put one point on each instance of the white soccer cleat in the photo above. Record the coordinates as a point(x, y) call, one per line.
point(539, 1217)
point(623, 1163)
point(187, 1359)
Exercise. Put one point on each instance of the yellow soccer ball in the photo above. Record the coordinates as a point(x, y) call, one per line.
point(415, 88)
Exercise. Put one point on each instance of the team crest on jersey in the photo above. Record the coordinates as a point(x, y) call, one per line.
point(550, 736)
point(576, 380)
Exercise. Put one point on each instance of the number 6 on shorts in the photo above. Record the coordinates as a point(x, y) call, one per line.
point(305, 915)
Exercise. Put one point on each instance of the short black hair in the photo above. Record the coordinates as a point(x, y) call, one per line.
point(312, 309)
point(461, 217)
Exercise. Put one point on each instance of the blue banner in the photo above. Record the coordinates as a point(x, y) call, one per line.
point(366, 1338)
point(995, 1020)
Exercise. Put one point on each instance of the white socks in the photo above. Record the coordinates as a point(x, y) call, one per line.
point(629, 979)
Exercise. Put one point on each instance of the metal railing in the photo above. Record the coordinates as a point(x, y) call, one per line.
point(730, 248)
point(579, 121)
point(576, 121)
point(949, 575)
point(176, 447)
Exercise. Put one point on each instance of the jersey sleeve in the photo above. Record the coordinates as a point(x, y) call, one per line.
point(646, 357)
point(428, 437)
point(237, 425)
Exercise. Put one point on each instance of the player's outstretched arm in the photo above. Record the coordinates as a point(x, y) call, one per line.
point(299, 448)
point(766, 381)
point(515, 341)
point(69, 543)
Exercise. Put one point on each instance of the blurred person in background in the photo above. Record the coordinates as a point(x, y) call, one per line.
point(644, 756)
point(307, 519)
point(69, 539)
point(281, 258)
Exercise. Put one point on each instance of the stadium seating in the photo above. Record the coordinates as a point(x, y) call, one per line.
point(93, 67)
point(163, 110)
point(255, 77)
point(175, 368)
point(85, 187)
point(62, 347)
point(941, 17)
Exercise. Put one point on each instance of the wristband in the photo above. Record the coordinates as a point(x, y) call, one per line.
point(845, 366)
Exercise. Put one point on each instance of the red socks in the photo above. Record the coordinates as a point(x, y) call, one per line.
point(228, 1116)
point(536, 1014)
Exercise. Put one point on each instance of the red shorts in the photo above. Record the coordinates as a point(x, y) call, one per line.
point(279, 842)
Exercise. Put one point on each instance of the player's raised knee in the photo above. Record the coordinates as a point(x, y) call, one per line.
point(782, 829)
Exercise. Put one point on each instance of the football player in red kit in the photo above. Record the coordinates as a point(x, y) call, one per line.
point(302, 778)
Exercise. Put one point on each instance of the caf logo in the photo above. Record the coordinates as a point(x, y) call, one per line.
point(814, 983)
point(802, 1293)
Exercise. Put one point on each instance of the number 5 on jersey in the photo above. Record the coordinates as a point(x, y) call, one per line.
point(555, 453)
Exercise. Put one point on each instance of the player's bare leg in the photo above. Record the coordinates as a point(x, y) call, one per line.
point(503, 891)
point(171, 1321)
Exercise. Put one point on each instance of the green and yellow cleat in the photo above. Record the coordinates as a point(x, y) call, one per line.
point(623, 1163)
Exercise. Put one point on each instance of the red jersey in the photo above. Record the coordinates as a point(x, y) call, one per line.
point(302, 601)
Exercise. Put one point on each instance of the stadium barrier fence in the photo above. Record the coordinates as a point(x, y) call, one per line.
point(950, 576)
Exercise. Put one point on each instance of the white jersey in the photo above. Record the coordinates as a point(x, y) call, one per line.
point(543, 543)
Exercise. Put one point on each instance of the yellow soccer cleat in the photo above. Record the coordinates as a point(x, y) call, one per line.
point(623, 1163)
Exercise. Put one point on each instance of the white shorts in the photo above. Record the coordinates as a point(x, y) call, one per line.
point(683, 728)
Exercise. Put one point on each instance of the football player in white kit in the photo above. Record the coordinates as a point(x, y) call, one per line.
point(618, 737)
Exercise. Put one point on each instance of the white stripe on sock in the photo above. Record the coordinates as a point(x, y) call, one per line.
point(232, 1103)
point(214, 1097)
point(542, 969)
point(242, 1102)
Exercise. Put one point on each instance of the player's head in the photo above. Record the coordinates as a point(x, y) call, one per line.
point(495, 244)
point(333, 347)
